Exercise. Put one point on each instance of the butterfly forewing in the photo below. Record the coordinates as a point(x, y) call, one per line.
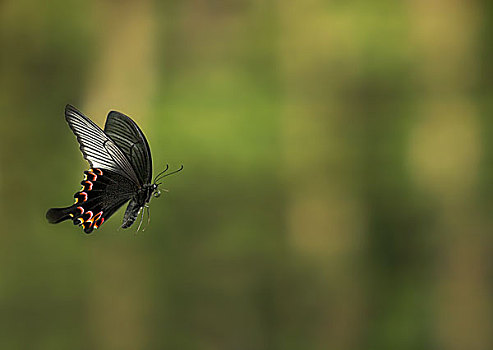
point(99, 150)
point(129, 138)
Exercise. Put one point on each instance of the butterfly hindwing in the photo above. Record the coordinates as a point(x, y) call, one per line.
point(103, 192)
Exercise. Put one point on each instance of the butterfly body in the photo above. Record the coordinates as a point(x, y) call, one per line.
point(140, 199)
point(121, 171)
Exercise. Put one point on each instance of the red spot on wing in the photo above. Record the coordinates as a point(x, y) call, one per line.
point(89, 183)
point(97, 218)
point(99, 222)
point(80, 196)
point(94, 176)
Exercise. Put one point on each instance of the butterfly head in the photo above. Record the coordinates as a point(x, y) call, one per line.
point(156, 193)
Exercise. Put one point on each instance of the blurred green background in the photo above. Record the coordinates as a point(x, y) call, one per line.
point(337, 185)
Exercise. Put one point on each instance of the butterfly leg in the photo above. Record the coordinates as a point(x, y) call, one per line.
point(141, 218)
point(148, 216)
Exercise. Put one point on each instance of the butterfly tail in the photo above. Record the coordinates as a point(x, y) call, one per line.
point(56, 215)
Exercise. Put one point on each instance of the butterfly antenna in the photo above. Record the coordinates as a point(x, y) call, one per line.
point(173, 172)
point(162, 172)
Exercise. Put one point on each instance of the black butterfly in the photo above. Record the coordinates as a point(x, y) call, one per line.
point(121, 170)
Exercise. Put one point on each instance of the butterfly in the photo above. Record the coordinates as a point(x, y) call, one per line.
point(121, 171)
